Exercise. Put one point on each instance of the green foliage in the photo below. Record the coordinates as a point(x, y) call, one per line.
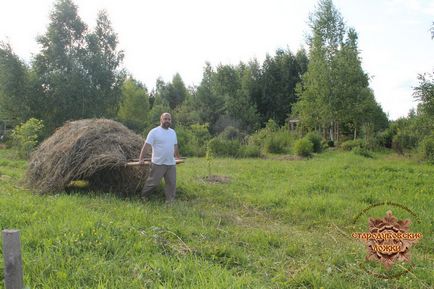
point(224, 148)
point(384, 138)
point(316, 140)
point(303, 147)
point(26, 135)
point(362, 151)
point(271, 125)
point(404, 141)
point(77, 70)
point(249, 151)
point(134, 108)
point(427, 148)
point(335, 90)
point(193, 140)
point(351, 144)
point(14, 85)
point(173, 93)
point(272, 139)
point(425, 93)
point(278, 142)
point(230, 133)
point(159, 106)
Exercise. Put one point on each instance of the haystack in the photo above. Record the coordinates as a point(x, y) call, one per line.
point(92, 150)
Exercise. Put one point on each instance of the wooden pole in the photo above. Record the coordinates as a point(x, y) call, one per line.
point(12, 258)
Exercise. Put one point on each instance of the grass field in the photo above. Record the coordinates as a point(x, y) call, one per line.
point(275, 224)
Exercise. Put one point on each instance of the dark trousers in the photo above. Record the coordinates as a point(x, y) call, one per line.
point(157, 172)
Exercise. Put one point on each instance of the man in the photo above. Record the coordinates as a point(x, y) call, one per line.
point(164, 144)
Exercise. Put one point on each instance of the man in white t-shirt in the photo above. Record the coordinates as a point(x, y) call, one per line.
point(164, 144)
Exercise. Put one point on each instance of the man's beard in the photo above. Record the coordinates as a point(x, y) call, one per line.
point(166, 124)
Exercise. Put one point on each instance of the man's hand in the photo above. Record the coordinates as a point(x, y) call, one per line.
point(177, 157)
point(141, 161)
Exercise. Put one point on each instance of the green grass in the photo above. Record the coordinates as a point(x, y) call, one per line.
point(277, 224)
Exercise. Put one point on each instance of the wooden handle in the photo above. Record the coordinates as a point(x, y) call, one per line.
point(130, 164)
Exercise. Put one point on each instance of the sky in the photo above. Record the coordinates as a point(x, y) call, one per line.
point(163, 37)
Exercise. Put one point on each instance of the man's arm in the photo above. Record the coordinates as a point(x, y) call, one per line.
point(177, 152)
point(146, 147)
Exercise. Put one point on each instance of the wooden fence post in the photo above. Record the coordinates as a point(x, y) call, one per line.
point(12, 258)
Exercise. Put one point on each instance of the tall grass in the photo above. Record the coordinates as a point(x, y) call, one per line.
point(277, 224)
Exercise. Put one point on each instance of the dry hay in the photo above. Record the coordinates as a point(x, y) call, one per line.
point(92, 150)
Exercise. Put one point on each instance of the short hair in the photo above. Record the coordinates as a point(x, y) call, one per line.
point(161, 116)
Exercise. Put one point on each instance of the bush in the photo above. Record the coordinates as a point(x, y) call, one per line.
point(278, 142)
point(230, 133)
point(315, 139)
point(186, 143)
point(384, 138)
point(427, 148)
point(25, 136)
point(250, 151)
point(224, 148)
point(404, 141)
point(303, 147)
point(361, 151)
point(351, 144)
point(192, 140)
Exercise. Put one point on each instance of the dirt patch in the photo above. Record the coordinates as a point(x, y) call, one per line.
point(214, 179)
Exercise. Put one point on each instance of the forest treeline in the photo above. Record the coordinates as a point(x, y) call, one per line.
point(78, 74)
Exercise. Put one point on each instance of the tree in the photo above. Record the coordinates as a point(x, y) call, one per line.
point(280, 74)
point(59, 65)
point(424, 93)
point(335, 92)
point(211, 106)
point(78, 71)
point(179, 91)
point(14, 82)
point(134, 108)
point(102, 64)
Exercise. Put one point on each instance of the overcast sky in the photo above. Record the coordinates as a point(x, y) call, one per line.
point(163, 37)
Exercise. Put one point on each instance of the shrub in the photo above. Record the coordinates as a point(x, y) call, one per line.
point(250, 151)
point(278, 142)
point(192, 140)
point(385, 138)
point(315, 139)
point(224, 148)
point(324, 144)
point(185, 141)
point(403, 141)
point(303, 147)
point(361, 151)
point(25, 136)
point(351, 144)
point(427, 148)
point(230, 133)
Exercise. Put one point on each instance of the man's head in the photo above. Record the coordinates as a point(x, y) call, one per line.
point(165, 120)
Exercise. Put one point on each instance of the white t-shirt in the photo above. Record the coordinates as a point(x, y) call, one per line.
point(163, 143)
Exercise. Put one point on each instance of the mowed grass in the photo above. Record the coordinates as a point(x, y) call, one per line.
point(276, 224)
